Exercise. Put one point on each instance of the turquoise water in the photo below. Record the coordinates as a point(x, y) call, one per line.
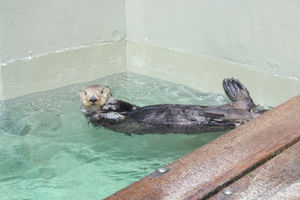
point(48, 150)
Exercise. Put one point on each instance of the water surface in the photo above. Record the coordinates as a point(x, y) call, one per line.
point(48, 150)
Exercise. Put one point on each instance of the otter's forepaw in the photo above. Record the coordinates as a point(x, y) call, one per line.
point(115, 116)
point(83, 110)
point(108, 107)
point(112, 116)
point(88, 113)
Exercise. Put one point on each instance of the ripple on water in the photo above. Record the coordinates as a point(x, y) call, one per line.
point(48, 150)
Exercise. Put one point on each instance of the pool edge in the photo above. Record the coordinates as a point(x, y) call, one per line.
point(210, 168)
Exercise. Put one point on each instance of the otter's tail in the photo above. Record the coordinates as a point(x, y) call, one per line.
point(237, 92)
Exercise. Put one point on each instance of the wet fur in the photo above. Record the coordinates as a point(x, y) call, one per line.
point(124, 117)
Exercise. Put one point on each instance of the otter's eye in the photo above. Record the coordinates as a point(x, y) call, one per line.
point(101, 91)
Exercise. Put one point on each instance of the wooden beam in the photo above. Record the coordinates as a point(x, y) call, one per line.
point(204, 172)
point(279, 178)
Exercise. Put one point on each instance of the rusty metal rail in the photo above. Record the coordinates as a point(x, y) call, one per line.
point(209, 171)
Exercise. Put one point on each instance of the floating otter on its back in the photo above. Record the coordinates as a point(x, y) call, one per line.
point(102, 109)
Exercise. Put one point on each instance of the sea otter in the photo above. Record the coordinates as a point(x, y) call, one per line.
point(102, 109)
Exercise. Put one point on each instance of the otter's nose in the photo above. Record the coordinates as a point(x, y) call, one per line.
point(93, 99)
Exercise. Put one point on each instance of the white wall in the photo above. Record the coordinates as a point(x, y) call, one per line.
point(34, 27)
point(261, 34)
point(50, 44)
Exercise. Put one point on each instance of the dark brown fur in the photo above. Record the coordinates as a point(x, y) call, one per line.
point(175, 118)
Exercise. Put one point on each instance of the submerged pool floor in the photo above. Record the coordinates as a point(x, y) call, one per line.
point(48, 150)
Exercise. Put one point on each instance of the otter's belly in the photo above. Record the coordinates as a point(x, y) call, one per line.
point(182, 119)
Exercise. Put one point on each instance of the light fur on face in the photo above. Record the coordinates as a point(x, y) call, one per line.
point(95, 96)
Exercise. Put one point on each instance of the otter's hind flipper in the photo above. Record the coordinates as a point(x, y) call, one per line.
point(238, 93)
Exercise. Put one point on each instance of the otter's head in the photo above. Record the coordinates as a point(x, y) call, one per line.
point(95, 96)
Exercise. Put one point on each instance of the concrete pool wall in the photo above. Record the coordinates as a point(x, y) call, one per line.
point(49, 45)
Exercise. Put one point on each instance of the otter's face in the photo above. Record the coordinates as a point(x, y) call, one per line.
point(95, 96)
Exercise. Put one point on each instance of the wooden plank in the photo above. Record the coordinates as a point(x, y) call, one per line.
point(277, 179)
point(207, 170)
